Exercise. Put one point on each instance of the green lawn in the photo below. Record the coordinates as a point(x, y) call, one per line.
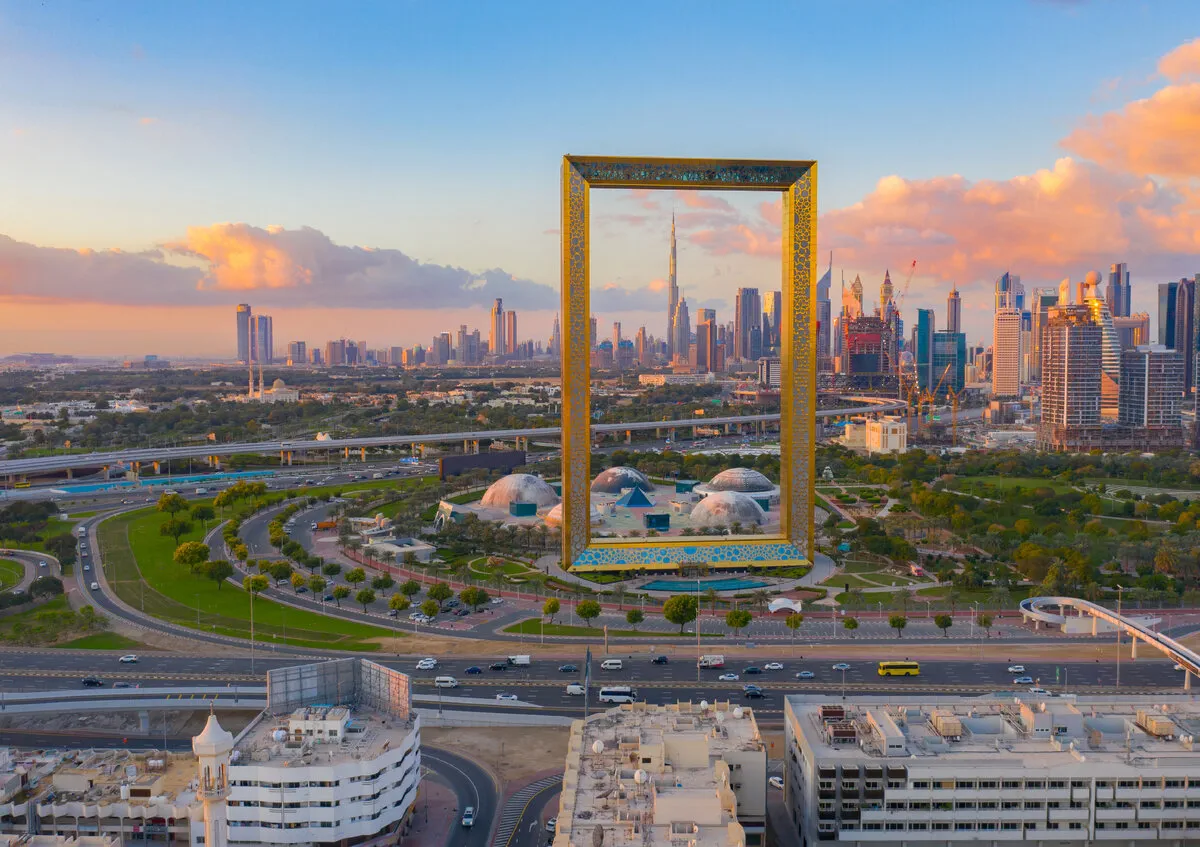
point(534, 626)
point(1029, 482)
point(843, 579)
point(480, 566)
point(28, 617)
point(10, 573)
point(54, 526)
point(76, 516)
point(102, 641)
point(133, 550)
point(1112, 485)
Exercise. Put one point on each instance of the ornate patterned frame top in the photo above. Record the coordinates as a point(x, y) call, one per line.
point(797, 181)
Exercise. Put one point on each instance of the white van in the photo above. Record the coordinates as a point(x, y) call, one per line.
point(575, 689)
point(611, 665)
point(95, 586)
point(617, 694)
point(445, 682)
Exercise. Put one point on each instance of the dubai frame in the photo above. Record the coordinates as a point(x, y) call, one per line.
point(797, 182)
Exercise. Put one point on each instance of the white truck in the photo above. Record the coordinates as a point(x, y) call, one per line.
point(519, 661)
point(712, 661)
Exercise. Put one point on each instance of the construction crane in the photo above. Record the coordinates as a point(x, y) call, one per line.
point(904, 289)
point(930, 397)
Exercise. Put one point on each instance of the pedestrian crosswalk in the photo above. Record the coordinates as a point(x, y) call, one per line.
point(515, 807)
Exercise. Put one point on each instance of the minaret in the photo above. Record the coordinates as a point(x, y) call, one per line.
point(672, 297)
point(212, 748)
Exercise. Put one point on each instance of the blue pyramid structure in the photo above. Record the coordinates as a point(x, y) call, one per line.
point(635, 498)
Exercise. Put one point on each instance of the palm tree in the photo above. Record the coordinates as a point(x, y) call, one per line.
point(760, 599)
point(711, 596)
point(619, 595)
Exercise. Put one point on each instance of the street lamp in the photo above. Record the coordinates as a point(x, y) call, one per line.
point(843, 683)
point(1120, 595)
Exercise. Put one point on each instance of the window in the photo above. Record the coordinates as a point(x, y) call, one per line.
point(964, 805)
point(920, 784)
point(1029, 826)
point(988, 825)
point(893, 806)
point(850, 787)
point(941, 825)
point(919, 807)
point(1078, 804)
point(1011, 804)
point(1035, 783)
point(1121, 825)
point(1172, 824)
point(962, 784)
point(1079, 783)
point(1052, 825)
point(987, 784)
point(1075, 825)
point(962, 826)
point(1145, 825)
point(893, 826)
point(825, 785)
point(987, 804)
point(1034, 804)
point(895, 783)
point(1053, 804)
point(1010, 825)
point(1174, 783)
point(1127, 783)
point(1149, 804)
point(872, 826)
point(1172, 804)
point(918, 825)
point(1011, 783)
point(1103, 783)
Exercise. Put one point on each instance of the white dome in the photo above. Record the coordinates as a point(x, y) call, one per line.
point(597, 746)
point(278, 384)
point(740, 479)
point(519, 488)
point(214, 740)
point(615, 480)
point(725, 507)
point(553, 517)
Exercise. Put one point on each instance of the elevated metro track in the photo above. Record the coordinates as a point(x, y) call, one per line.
point(1034, 608)
point(46, 464)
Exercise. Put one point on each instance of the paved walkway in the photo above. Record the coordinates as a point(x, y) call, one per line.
point(434, 821)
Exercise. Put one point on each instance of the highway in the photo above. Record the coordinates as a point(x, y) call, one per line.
point(44, 464)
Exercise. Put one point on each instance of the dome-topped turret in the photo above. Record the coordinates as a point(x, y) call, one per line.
point(740, 479)
point(214, 740)
point(726, 507)
point(617, 479)
point(519, 488)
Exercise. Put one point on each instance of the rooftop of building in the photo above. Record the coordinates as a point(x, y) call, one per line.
point(301, 738)
point(1068, 735)
point(655, 774)
point(97, 777)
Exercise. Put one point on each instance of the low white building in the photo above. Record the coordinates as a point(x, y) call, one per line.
point(886, 435)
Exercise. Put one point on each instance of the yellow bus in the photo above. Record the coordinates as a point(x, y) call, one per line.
point(899, 669)
point(21, 484)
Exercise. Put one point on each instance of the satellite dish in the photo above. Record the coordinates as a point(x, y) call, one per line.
point(597, 746)
point(640, 776)
point(737, 712)
point(598, 836)
point(703, 704)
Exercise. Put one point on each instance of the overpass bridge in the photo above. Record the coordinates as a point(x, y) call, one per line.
point(1035, 609)
point(14, 469)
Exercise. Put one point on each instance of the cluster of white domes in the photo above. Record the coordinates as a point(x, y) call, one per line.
point(725, 507)
point(519, 488)
point(617, 479)
point(740, 479)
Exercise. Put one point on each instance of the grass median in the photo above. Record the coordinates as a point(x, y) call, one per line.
point(533, 626)
point(11, 573)
point(102, 641)
point(141, 571)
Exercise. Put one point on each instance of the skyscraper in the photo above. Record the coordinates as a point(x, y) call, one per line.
point(335, 352)
point(856, 291)
point(1185, 324)
point(706, 341)
point(1110, 343)
point(1166, 313)
point(1070, 376)
point(496, 338)
point(244, 332)
point(950, 360)
point(923, 349)
point(510, 333)
point(592, 337)
point(774, 318)
point(747, 317)
point(1010, 292)
point(1151, 387)
point(556, 339)
point(885, 291)
point(681, 338)
point(672, 297)
point(297, 353)
point(953, 311)
point(824, 319)
point(1043, 299)
point(1117, 293)
point(1006, 353)
point(264, 342)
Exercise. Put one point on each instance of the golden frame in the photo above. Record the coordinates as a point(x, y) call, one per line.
point(797, 181)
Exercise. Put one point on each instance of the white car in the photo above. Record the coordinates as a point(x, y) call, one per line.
point(728, 677)
point(806, 675)
point(507, 698)
point(841, 666)
point(773, 666)
point(776, 782)
point(1041, 692)
point(1016, 669)
point(128, 660)
point(552, 825)
point(427, 664)
point(1180, 667)
point(468, 818)
point(496, 601)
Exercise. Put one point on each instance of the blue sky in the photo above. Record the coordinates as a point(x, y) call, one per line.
point(436, 129)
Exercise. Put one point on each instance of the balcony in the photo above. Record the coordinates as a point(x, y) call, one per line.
point(1115, 814)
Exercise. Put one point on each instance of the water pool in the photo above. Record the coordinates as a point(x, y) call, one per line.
point(691, 585)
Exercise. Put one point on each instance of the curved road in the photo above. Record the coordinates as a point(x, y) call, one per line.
point(473, 787)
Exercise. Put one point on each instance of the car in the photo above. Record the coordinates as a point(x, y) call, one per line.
point(1023, 680)
point(1179, 667)
point(552, 825)
point(328, 598)
point(1016, 669)
point(728, 677)
point(496, 601)
point(462, 613)
point(752, 670)
point(806, 675)
point(92, 682)
point(776, 782)
point(300, 589)
point(87, 568)
point(468, 818)
point(659, 660)
point(312, 526)
point(427, 664)
point(1041, 692)
point(568, 669)
point(451, 604)
point(753, 691)
point(95, 586)
point(129, 659)
point(506, 698)
point(41, 564)
point(392, 613)
point(498, 666)
point(474, 669)
point(773, 666)
point(122, 685)
point(841, 666)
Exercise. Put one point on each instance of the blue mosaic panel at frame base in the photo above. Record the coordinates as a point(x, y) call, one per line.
point(731, 552)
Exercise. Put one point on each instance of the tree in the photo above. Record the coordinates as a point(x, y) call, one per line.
point(430, 608)
point(61, 547)
point(316, 584)
point(46, 586)
point(255, 584)
point(897, 622)
point(171, 503)
point(297, 580)
point(340, 593)
point(793, 623)
point(203, 513)
point(737, 620)
point(850, 624)
point(365, 598)
point(588, 610)
point(634, 617)
point(280, 571)
point(382, 583)
point(985, 623)
point(356, 575)
point(439, 592)
point(944, 622)
point(410, 588)
point(331, 569)
point(711, 596)
point(175, 527)
point(550, 608)
point(619, 595)
point(398, 602)
point(191, 553)
point(217, 570)
point(681, 609)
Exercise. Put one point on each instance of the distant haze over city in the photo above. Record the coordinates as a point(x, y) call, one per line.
point(349, 175)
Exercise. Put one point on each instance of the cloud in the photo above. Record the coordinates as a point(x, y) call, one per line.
point(1159, 135)
point(147, 121)
point(611, 297)
point(1181, 63)
point(223, 263)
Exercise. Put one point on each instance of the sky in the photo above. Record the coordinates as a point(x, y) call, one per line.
point(382, 171)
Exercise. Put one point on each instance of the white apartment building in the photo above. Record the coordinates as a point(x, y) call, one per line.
point(662, 776)
point(1006, 353)
point(1056, 771)
point(886, 435)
